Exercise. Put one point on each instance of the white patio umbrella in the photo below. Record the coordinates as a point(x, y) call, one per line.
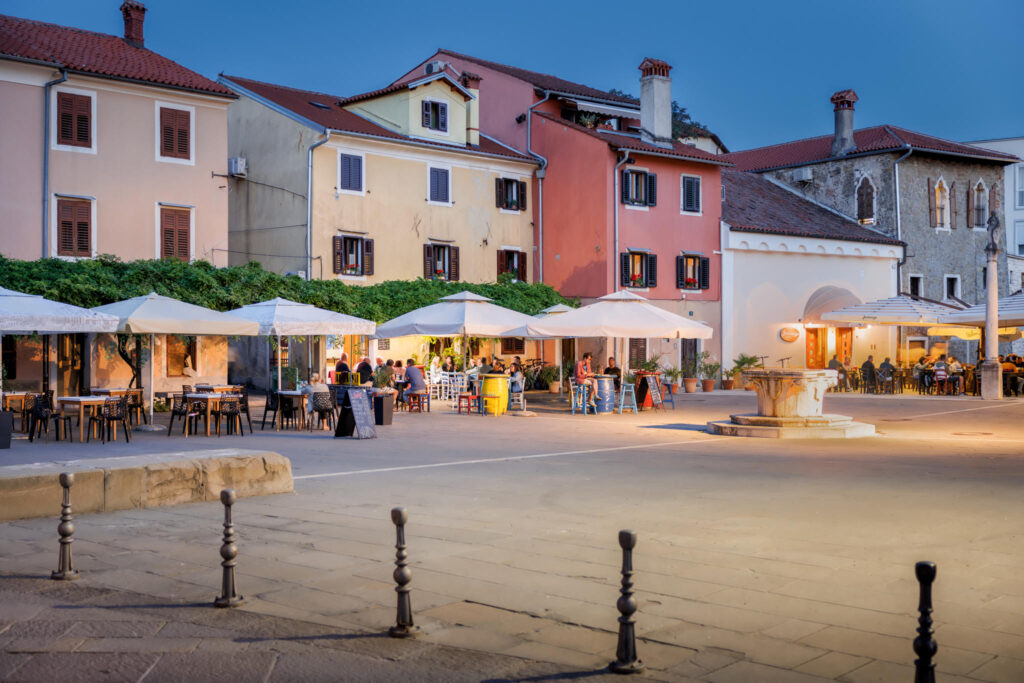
point(897, 310)
point(155, 314)
point(972, 333)
point(464, 314)
point(547, 312)
point(29, 313)
point(283, 318)
point(1011, 313)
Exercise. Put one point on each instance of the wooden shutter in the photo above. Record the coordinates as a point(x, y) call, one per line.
point(433, 192)
point(367, 257)
point(166, 132)
point(931, 204)
point(652, 189)
point(175, 129)
point(970, 208)
point(625, 187)
point(705, 272)
point(428, 261)
point(346, 172)
point(624, 269)
point(453, 264)
point(637, 352)
point(680, 271)
point(426, 114)
point(691, 194)
point(501, 262)
point(652, 270)
point(83, 120)
point(339, 253)
point(183, 133)
point(65, 119)
point(443, 189)
point(522, 195)
point(175, 233)
point(83, 229)
point(499, 193)
point(521, 267)
point(951, 200)
point(442, 117)
point(66, 229)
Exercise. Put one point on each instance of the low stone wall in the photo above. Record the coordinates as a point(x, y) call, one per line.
point(143, 481)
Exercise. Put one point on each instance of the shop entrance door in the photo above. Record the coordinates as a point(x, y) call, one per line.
point(817, 347)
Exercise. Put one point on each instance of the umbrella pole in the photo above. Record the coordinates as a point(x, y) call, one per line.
point(1, 373)
point(152, 362)
point(279, 362)
point(560, 380)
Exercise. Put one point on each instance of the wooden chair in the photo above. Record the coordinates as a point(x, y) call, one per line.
point(578, 396)
point(180, 408)
point(417, 400)
point(136, 407)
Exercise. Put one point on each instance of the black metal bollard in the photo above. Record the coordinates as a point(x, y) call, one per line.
point(626, 661)
point(65, 569)
point(924, 645)
point(228, 551)
point(403, 628)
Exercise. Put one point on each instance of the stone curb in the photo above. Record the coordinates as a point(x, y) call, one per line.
point(142, 481)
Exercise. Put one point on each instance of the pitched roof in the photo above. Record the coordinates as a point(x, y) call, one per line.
point(875, 140)
point(753, 203)
point(547, 81)
point(619, 140)
point(323, 110)
point(445, 75)
point(97, 54)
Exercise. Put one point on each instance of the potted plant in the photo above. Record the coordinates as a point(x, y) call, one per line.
point(689, 371)
point(549, 375)
point(743, 362)
point(671, 375)
point(690, 283)
point(728, 380)
point(637, 281)
point(709, 371)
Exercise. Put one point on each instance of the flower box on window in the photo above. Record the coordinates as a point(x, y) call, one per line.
point(690, 283)
point(353, 270)
point(637, 281)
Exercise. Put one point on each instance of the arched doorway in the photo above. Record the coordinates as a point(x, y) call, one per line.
point(819, 341)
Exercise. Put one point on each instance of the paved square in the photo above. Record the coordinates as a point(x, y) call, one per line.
point(757, 560)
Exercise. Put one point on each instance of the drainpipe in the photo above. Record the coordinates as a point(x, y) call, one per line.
point(46, 159)
point(309, 203)
point(615, 202)
point(899, 236)
point(540, 185)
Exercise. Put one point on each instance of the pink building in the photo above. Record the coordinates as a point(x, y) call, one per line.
point(620, 203)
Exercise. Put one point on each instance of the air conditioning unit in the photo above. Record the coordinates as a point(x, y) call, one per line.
point(433, 67)
point(803, 175)
point(237, 167)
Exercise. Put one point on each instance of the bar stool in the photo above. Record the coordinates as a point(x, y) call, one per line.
point(669, 395)
point(469, 400)
point(417, 400)
point(630, 390)
point(579, 398)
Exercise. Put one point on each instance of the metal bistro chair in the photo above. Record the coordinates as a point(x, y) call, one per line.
point(180, 408)
point(289, 411)
point(40, 421)
point(243, 406)
point(27, 403)
point(230, 410)
point(323, 409)
point(136, 407)
point(271, 406)
point(114, 411)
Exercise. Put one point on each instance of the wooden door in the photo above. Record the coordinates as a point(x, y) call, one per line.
point(817, 347)
point(844, 343)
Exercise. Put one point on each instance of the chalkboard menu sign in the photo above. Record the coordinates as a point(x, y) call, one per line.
point(356, 417)
point(647, 386)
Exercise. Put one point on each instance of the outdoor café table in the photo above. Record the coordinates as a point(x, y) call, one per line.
point(302, 407)
point(82, 402)
point(108, 391)
point(19, 398)
point(210, 401)
point(221, 388)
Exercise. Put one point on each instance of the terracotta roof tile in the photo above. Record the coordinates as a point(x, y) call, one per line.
point(547, 81)
point(631, 142)
point(323, 110)
point(97, 54)
point(752, 203)
point(868, 140)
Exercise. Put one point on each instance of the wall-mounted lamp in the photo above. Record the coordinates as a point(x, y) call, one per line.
point(520, 118)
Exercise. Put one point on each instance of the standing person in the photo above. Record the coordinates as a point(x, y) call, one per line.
point(615, 371)
point(584, 377)
point(415, 378)
point(844, 377)
point(341, 370)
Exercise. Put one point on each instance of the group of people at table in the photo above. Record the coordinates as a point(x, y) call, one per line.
point(944, 373)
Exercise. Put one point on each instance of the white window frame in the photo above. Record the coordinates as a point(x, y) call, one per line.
point(987, 195)
point(643, 269)
point(1019, 188)
point(920, 286)
point(158, 105)
point(445, 167)
point(447, 117)
point(874, 201)
point(339, 190)
point(191, 228)
point(945, 224)
point(1018, 230)
point(55, 225)
point(93, 121)
point(447, 258)
point(519, 253)
point(632, 206)
point(682, 194)
point(517, 180)
point(945, 286)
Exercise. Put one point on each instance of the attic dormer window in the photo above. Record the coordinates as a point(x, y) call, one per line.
point(435, 116)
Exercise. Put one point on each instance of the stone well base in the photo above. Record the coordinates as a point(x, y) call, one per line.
point(823, 427)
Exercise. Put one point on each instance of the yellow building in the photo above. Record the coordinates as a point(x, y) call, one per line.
point(394, 184)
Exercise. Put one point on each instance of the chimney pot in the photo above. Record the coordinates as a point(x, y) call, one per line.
point(134, 13)
point(656, 102)
point(842, 141)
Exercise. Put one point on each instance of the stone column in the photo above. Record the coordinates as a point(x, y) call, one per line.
point(991, 372)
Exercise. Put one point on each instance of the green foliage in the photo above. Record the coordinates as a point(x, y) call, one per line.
point(708, 368)
point(672, 374)
point(744, 362)
point(549, 373)
point(683, 125)
point(104, 280)
point(652, 364)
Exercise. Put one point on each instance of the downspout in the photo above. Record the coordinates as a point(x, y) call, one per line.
point(309, 203)
point(617, 276)
point(46, 159)
point(899, 235)
point(540, 185)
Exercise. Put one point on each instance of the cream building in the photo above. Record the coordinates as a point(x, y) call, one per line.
point(396, 184)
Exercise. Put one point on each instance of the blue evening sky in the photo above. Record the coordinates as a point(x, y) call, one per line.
point(755, 72)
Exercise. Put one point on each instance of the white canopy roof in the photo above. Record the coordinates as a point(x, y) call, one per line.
point(1011, 313)
point(28, 313)
point(622, 314)
point(554, 310)
point(155, 314)
point(897, 310)
point(460, 314)
point(281, 317)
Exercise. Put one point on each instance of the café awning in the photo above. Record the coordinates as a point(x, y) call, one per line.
point(29, 313)
point(1011, 313)
point(463, 314)
point(897, 310)
point(156, 314)
point(283, 318)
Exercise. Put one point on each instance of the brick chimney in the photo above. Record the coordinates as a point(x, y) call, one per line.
point(842, 142)
point(656, 102)
point(134, 14)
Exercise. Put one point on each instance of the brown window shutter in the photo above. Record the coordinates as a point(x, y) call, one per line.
point(65, 119)
point(83, 123)
point(175, 233)
point(337, 246)
point(167, 227)
point(501, 262)
point(970, 208)
point(521, 267)
point(426, 114)
point(83, 229)
point(931, 203)
point(453, 264)
point(428, 261)
point(183, 132)
point(166, 132)
point(367, 257)
point(951, 199)
point(522, 195)
point(66, 230)
point(499, 193)
point(183, 237)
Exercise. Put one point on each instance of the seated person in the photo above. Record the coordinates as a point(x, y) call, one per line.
point(615, 371)
point(448, 365)
point(341, 370)
point(388, 373)
point(414, 376)
point(516, 378)
point(867, 372)
point(584, 377)
point(485, 367)
point(399, 371)
point(365, 372)
point(886, 371)
point(315, 386)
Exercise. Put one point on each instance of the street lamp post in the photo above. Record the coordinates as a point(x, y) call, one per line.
point(991, 372)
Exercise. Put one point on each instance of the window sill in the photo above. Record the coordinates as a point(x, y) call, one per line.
point(352, 278)
point(338, 191)
point(72, 259)
point(176, 160)
point(73, 148)
point(634, 207)
point(638, 289)
point(513, 212)
point(433, 203)
point(691, 213)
